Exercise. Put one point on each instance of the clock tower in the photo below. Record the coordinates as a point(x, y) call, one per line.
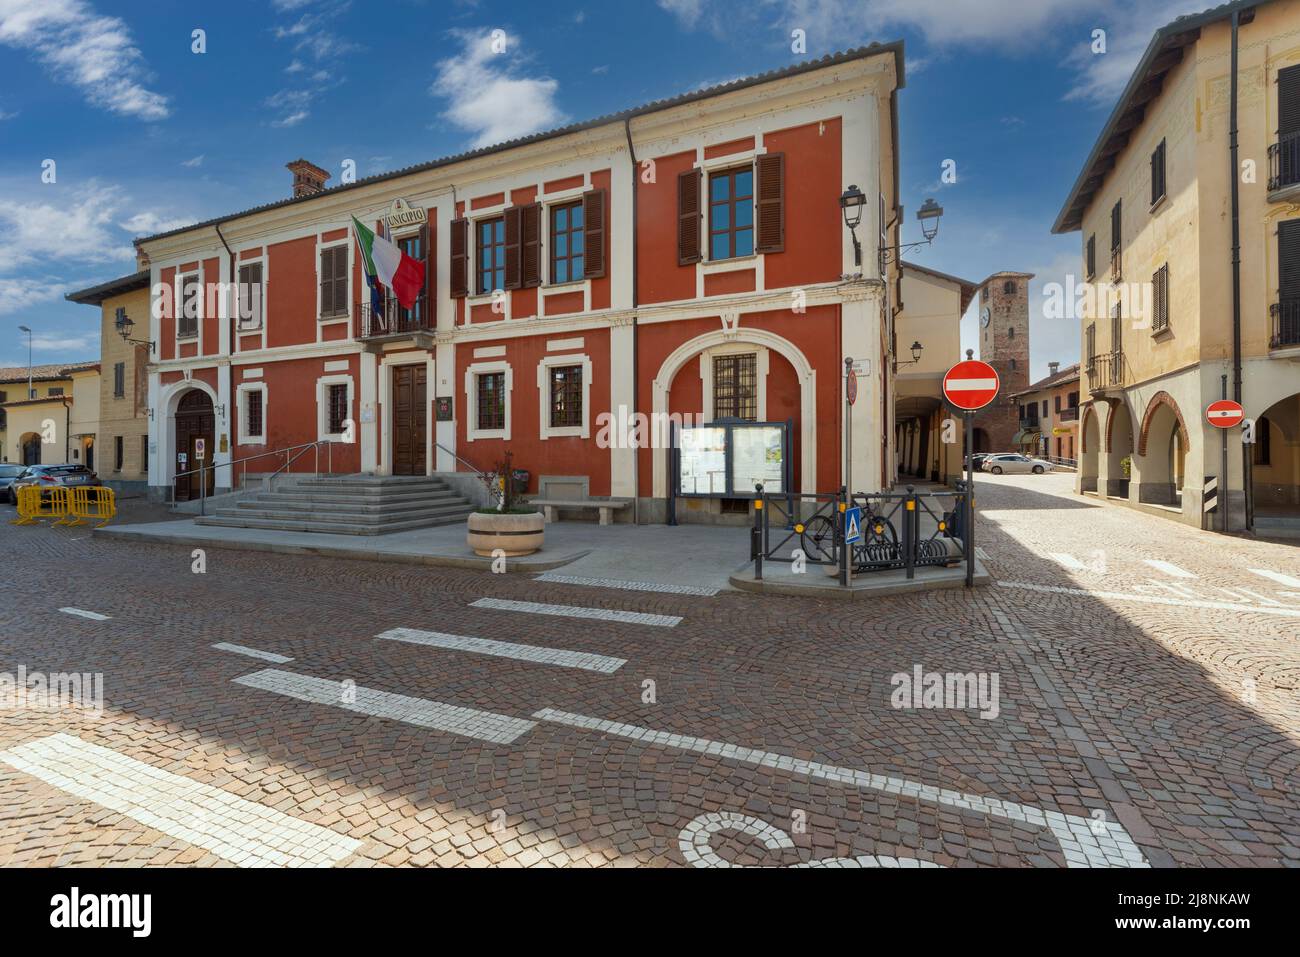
point(1004, 344)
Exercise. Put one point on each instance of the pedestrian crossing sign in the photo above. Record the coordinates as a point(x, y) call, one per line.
point(852, 525)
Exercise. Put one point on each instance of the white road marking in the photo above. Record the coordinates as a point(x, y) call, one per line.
point(981, 554)
point(81, 613)
point(270, 656)
point(1154, 599)
point(242, 832)
point(1287, 580)
point(1169, 568)
point(507, 649)
point(575, 611)
point(700, 590)
point(1084, 842)
point(470, 722)
point(1066, 560)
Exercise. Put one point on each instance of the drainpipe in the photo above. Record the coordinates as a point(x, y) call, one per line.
point(1236, 275)
point(636, 338)
point(232, 327)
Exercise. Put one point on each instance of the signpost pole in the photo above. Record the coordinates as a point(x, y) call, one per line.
point(1223, 467)
point(850, 393)
point(970, 500)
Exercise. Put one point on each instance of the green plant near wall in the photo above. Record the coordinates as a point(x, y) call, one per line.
point(1126, 466)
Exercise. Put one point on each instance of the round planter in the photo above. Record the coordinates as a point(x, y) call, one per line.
point(515, 535)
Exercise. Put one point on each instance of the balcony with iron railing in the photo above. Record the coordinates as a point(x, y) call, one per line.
point(1285, 314)
point(1105, 371)
point(1116, 265)
point(1284, 163)
point(392, 321)
point(1068, 414)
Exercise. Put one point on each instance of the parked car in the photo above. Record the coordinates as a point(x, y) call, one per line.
point(977, 460)
point(48, 476)
point(9, 472)
point(1015, 462)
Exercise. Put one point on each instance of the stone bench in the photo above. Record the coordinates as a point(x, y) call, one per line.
point(549, 507)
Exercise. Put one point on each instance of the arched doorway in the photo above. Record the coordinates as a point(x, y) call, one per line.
point(1275, 465)
point(1119, 450)
point(31, 446)
point(194, 421)
point(1162, 448)
point(1088, 451)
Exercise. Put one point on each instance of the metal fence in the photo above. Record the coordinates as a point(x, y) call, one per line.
point(898, 530)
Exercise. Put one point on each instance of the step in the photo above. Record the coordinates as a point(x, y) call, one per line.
point(387, 482)
point(331, 528)
point(327, 503)
point(350, 518)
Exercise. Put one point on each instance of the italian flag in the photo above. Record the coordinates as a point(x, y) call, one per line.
point(388, 265)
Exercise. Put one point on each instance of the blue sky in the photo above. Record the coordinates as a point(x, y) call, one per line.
point(148, 135)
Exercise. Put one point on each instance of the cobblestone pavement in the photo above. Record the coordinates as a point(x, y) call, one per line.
point(360, 713)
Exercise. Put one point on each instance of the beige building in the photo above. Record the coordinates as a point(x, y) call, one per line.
point(1163, 334)
point(58, 423)
point(1049, 416)
point(931, 305)
point(122, 399)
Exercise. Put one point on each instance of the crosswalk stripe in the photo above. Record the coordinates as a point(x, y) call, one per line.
point(1154, 599)
point(1278, 577)
point(470, 722)
point(700, 590)
point(981, 554)
point(242, 832)
point(1169, 568)
point(1078, 836)
point(576, 611)
point(1067, 560)
point(507, 649)
point(270, 656)
point(82, 613)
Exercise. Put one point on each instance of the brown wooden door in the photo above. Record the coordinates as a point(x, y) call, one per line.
point(194, 421)
point(410, 419)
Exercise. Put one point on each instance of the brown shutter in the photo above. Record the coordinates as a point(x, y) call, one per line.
point(530, 229)
point(341, 279)
point(514, 249)
point(326, 282)
point(688, 217)
point(459, 258)
point(593, 225)
point(770, 196)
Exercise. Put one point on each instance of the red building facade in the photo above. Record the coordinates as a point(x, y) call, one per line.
point(688, 259)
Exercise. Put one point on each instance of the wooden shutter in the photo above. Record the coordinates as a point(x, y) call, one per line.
point(769, 194)
point(688, 217)
point(593, 224)
point(341, 279)
point(459, 258)
point(514, 249)
point(326, 282)
point(530, 229)
point(1288, 100)
point(1115, 218)
point(1288, 259)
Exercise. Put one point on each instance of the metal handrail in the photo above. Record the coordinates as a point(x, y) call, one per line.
point(301, 449)
point(472, 467)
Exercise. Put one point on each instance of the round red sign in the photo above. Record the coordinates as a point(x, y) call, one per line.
point(971, 385)
point(1224, 414)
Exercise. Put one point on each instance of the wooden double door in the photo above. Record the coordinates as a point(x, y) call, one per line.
point(410, 419)
point(194, 421)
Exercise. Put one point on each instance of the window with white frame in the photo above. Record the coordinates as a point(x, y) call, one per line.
point(488, 387)
point(334, 400)
point(332, 272)
point(189, 305)
point(252, 413)
point(733, 382)
point(251, 296)
point(564, 395)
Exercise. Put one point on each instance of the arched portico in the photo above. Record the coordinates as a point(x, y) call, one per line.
point(1089, 449)
point(1162, 447)
point(1118, 459)
point(804, 372)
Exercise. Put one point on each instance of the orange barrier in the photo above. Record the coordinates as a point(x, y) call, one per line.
point(93, 503)
point(35, 503)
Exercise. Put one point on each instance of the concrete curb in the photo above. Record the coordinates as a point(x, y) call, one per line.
point(475, 562)
point(863, 585)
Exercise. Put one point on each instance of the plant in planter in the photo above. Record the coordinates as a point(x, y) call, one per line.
point(507, 527)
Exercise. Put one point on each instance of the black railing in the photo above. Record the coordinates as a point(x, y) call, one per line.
point(1106, 371)
point(1286, 324)
point(1068, 414)
point(1284, 162)
point(1029, 423)
point(392, 319)
point(1116, 265)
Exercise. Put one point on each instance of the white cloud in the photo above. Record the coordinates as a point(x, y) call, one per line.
point(1129, 29)
point(489, 97)
point(687, 11)
point(149, 222)
point(94, 53)
point(193, 162)
point(53, 343)
point(74, 224)
point(293, 119)
point(18, 294)
point(291, 105)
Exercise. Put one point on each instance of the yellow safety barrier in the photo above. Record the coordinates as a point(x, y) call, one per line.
point(35, 503)
point(94, 503)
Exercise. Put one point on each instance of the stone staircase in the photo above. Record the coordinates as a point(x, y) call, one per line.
point(347, 505)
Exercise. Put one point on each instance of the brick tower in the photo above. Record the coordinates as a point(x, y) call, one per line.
point(1004, 344)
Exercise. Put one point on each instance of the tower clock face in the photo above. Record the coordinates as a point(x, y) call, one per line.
point(985, 315)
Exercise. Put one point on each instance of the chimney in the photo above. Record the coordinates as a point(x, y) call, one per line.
point(308, 178)
point(1052, 367)
point(141, 258)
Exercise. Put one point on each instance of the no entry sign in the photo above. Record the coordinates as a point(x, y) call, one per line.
point(1224, 414)
point(971, 385)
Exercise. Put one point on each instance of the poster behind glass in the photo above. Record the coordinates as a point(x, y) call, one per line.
point(703, 461)
point(758, 456)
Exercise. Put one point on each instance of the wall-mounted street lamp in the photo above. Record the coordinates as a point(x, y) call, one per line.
point(124, 325)
point(916, 356)
point(929, 215)
point(851, 202)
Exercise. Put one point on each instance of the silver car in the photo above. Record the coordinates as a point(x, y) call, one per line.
point(49, 476)
point(1015, 462)
point(8, 472)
